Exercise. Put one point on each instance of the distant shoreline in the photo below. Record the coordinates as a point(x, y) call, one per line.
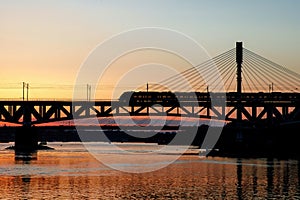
point(277, 142)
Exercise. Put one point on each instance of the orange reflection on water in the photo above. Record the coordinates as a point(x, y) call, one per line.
point(77, 175)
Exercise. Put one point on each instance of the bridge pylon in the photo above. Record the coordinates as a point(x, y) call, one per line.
point(239, 61)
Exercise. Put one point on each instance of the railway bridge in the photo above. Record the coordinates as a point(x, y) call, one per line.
point(256, 89)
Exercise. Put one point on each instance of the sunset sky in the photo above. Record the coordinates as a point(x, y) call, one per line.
point(44, 43)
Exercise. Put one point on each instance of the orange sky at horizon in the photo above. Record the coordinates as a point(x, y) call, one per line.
point(45, 43)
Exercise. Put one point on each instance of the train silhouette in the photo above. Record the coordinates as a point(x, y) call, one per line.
point(134, 98)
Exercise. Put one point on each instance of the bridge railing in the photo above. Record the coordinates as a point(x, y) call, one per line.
point(54, 99)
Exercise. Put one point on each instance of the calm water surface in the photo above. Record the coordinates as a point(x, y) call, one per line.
point(70, 172)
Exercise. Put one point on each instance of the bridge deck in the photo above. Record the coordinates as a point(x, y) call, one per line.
point(253, 106)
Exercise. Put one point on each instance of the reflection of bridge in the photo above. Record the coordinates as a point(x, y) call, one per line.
point(259, 74)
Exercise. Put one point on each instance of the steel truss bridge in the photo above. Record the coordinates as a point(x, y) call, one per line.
point(256, 88)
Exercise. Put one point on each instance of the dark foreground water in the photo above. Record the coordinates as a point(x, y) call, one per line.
point(70, 172)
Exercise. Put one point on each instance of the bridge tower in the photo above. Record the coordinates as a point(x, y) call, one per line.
point(239, 61)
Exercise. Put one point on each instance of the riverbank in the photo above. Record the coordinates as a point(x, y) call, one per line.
point(246, 141)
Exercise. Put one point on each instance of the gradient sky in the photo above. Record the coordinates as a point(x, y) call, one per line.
point(45, 42)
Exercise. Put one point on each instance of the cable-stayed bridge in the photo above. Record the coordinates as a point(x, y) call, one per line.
point(233, 86)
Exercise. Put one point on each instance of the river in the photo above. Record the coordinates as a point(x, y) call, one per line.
point(71, 172)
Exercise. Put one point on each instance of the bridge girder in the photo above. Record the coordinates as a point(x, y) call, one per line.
point(37, 112)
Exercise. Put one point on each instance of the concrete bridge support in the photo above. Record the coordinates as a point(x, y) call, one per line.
point(26, 143)
point(26, 139)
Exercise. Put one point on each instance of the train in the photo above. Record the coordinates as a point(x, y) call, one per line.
point(136, 97)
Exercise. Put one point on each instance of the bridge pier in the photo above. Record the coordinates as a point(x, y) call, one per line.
point(26, 138)
point(26, 143)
